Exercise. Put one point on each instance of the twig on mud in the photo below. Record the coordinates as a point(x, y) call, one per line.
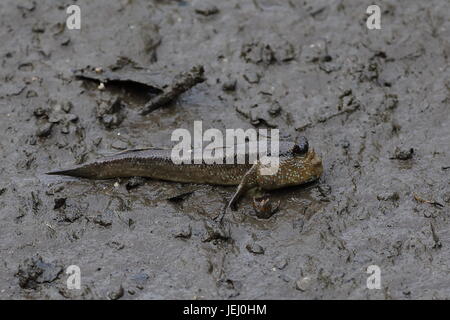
point(421, 200)
point(347, 105)
point(183, 82)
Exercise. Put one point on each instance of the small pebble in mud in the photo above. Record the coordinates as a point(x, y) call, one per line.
point(31, 94)
point(54, 190)
point(303, 284)
point(388, 196)
point(254, 248)
point(229, 84)
point(179, 196)
point(274, 109)
point(391, 101)
point(314, 51)
point(110, 114)
point(65, 129)
point(445, 197)
point(119, 145)
point(281, 263)
point(252, 77)
point(67, 106)
point(228, 288)
point(285, 52)
point(268, 55)
point(72, 117)
point(324, 190)
point(285, 278)
point(345, 144)
point(68, 211)
point(205, 7)
point(131, 224)
point(403, 154)
point(101, 86)
point(298, 224)
point(215, 232)
point(134, 182)
point(183, 232)
point(396, 127)
point(40, 112)
point(102, 221)
point(115, 245)
point(65, 41)
point(44, 130)
point(55, 118)
point(38, 27)
point(116, 294)
point(59, 202)
point(260, 52)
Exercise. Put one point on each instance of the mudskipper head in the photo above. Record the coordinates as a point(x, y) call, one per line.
point(298, 164)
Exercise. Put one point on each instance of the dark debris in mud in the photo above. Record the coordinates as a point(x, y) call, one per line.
point(181, 83)
point(403, 154)
point(34, 272)
point(183, 232)
point(111, 114)
point(216, 233)
point(135, 182)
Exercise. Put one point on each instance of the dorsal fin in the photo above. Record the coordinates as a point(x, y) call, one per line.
point(135, 150)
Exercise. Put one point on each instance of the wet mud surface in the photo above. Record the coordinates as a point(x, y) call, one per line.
point(374, 104)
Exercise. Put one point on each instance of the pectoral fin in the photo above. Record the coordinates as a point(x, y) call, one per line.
point(247, 182)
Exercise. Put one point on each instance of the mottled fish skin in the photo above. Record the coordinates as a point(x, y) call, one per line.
point(157, 164)
point(294, 168)
point(298, 164)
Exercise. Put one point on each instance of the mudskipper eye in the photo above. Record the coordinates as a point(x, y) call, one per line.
point(301, 148)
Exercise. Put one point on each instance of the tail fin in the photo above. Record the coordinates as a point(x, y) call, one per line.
point(80, 171)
